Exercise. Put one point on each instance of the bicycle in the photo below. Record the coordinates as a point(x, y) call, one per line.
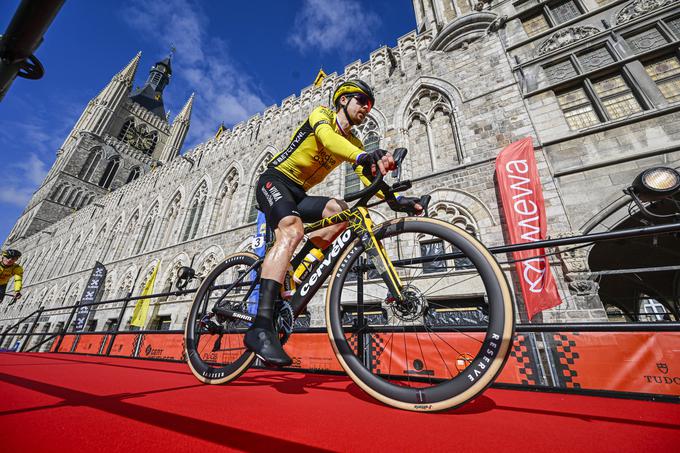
point(450, 309)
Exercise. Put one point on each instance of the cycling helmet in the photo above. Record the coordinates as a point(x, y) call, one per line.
point(353, 87)
point(11, 254)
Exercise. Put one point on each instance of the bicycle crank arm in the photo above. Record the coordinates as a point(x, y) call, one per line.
point(233, 314)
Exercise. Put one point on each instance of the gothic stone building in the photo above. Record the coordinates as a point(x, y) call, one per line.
point(596, 83)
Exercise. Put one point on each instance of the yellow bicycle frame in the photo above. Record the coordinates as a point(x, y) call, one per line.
point(361, 224)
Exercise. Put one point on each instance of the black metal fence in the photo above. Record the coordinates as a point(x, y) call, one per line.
point(20, 339)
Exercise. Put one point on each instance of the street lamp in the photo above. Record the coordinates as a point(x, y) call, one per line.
point(654, 184)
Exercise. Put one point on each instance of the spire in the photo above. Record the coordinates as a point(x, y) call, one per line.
point(185, 113)
point(128, 72)
point(178, 132)
point(150, 96)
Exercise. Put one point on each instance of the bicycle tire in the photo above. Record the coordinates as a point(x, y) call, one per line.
point(202, 361)
point(479, 370)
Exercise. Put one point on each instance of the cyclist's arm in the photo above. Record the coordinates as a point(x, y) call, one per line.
point(358, 169)
point(321, 121)
point(18, 276)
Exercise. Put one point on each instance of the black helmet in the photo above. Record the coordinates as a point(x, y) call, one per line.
point(351, 87)
point(11, 254)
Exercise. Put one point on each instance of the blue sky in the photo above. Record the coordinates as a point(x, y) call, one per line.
point(239, 58)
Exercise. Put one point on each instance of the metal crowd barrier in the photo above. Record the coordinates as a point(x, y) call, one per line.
point(541, 336)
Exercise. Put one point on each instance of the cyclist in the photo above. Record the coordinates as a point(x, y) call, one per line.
point(8, 269)
point(318, 146)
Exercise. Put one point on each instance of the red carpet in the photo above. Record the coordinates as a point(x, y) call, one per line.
point(58, 402)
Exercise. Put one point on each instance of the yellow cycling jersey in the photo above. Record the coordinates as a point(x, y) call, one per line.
point(7, 272)
point(316, 148)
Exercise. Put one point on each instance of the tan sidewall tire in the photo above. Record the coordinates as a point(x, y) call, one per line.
point(248, 361)
point(493, 370)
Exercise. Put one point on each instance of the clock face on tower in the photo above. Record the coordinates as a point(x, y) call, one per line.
point(138, 137)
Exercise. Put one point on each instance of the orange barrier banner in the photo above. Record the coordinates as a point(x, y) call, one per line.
point(220, 348)
point(639, 362)
point(89, 344)
point(636, 362)
point(312, 351)
point(124, 345)
point(161, 346)
point(66, 343)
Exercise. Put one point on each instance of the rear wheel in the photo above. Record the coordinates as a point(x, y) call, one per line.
point(450, 336)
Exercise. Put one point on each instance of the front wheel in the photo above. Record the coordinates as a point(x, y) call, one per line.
point(213, 343)
point(449, 337)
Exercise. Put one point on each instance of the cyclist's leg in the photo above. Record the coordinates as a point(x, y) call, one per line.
point(3, 288)
point(316, 208)
point(279, 204)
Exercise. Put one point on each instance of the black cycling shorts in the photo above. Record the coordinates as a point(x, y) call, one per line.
point(279, 197)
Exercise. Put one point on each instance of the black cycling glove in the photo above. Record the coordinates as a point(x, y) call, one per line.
point(404, 204)
point(368, 159)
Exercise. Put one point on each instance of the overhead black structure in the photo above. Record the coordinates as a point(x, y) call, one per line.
point(21, 39)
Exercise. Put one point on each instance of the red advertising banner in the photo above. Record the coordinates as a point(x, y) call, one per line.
point(66, 343)
point(162, 346)
point(312, 351)
point(636, 362)
point(520, 187)
point(124, 345)
point(89, 344)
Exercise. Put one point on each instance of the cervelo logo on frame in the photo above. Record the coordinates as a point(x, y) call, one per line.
point(338, 245)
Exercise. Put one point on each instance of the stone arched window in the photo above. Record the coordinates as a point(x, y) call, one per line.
point(67, 256)
point(77, 262)
point(196, 208)
point(64, 195)
point(90, 164)
point(252, 213)
point(58, 193)
point(134, 174)
point(457, 216)
point(370, 135)
point(125, 285)
point(432, 130)
point(128, 128)
point(167, 233)
point(221, 215)
point(124, 245)
point(110, 172)
point(147, 228)
point(115, 234)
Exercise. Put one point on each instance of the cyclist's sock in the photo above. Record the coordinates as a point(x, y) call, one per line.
point(306, 248)
point(269, 290)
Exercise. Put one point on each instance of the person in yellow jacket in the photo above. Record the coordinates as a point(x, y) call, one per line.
point(8, 269)
point(319, 145)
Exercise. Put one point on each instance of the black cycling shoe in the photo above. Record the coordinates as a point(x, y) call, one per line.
point(265, 344)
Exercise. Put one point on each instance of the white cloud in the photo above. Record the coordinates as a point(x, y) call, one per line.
point(223, 91)
point(342, 25)
point(22, 177)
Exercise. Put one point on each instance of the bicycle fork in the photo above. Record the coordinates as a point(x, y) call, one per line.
point(363, 228)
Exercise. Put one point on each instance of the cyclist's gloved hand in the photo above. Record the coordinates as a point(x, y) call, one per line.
point(368, 159)
point(17, 295)
point(409, 205)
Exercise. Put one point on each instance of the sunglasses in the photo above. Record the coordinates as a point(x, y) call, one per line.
point(362, 99)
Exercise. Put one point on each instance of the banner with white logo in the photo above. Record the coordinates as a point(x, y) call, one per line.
point(520, 187)
point(94, 285)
